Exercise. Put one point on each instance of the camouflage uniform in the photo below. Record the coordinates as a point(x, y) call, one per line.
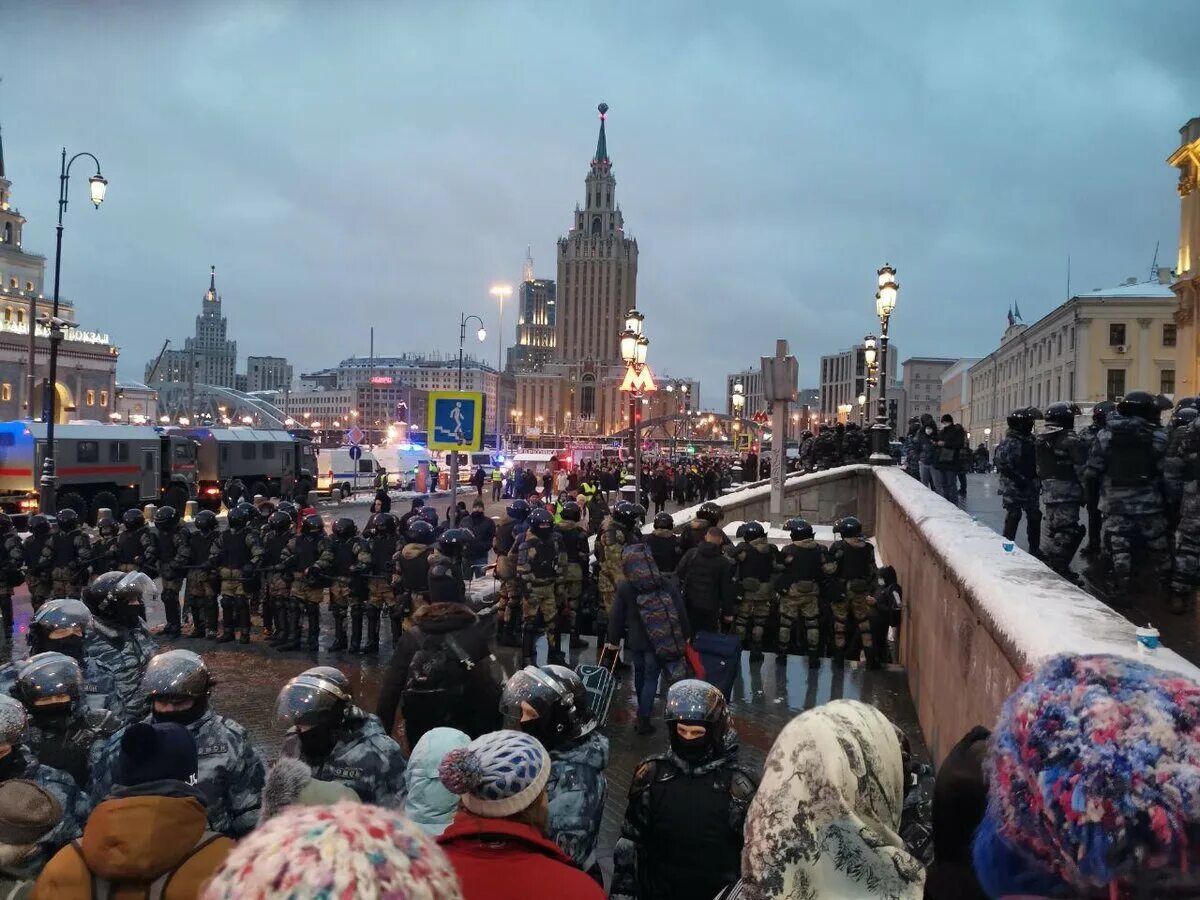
point(1127, 458)
point(411, 563)
point(851, 562)
point(125, 652)
point(166, 552)
point(381, 587)
point(230, 772)
point(1016, 464)
point(235, 555)
point(129, 549)
point(351, 560)
point(609, 543)
point(799, 588)
point(825, 453)
point(37, 570)
point(12, 562)
point(276, 587)
point(577, 790)
point(539, 562)
point(1091, 490)
point(1182, 479)
point(1061, 459)
point(569, 586)
point(68, 744)
point(508, 536)
point(755, 572)
point(66, 553)
point(364, 759)
point(201, 586)
point(74, 804)
point(304, 558)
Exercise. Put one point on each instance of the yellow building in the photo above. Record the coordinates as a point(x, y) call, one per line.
point(1187, 269)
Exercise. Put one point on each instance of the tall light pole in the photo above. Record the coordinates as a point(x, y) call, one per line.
point(634, 348)
point(501, 292)
point(98, 187)
point(885, 304)
point(462, 339)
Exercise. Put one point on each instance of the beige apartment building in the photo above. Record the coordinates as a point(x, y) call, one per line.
point(1096, 346)
point(1187, 269)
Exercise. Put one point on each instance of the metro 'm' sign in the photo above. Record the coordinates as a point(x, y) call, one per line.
point(638, 380)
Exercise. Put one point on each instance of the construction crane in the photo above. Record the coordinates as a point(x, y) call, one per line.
point(154, 368)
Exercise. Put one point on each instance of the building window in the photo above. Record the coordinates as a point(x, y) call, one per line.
point(104, 398)
point(1116, 334)
point(5, 391)
point(8, 233)
point(29, 285)
point(8, 314)
point(1071, 338)
point(20, 317)
point(1166, 382)
point(1115, 389)
point(1169, 334)
point(91, 398)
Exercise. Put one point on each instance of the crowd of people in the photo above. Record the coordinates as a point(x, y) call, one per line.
point(939, 455)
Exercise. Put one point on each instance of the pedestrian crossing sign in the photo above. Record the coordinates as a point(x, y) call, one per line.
point(455, 420)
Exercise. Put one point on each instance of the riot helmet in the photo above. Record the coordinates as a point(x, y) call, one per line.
point(1141, 404)
point(518, 510)
point(344, 528)
point(279, 522)
point(1062, 414)
point(696, 704)
point(710, 513)
point(313, 524)
point(314, 705)
point(120, 597)
point(540, 705)
point(60, 626)
point(628, 514)
point(68, 519)
point(800, 530)
point(178, 684)
point(49, 684)
point(1184, 416)
point(385, 523)
point(752, 531)
point(13, 720)
point(39, 525)
point(429, 515)
point(107, 527)
point(583, 721)
point(420, 532)
point(1187, 403)
point(1021, 420)
point(848, 527)
point(166, 518)
point(664, 521)
point(239, 516)
point(571, 511)
point(454, 541)
point(541, 523)
point(205, 521)
point(1101, 411)
point(133, 519)
point(289, 508)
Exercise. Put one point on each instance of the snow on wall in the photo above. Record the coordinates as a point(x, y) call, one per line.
point(1031, 611)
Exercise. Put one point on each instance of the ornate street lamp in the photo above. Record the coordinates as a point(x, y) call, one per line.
point(885, 304)
point(634, 349)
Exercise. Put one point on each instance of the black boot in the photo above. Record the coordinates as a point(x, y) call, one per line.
point(210, 618)
point(269, 614)
point(243, 611)
point(528, 638)
point(6, 614)
point(554, 650)
point(313, 614)
point(197, 621)
point(229, 616)
point(578, 643)
point(171, 613)
point(282, 639)
point(339, 629)
point(372, 645)
point(396, 617)
point(509, 631)
point(356, 625)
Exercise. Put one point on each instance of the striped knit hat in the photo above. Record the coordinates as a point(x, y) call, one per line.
point(348, 850)
point(497, 775)
point(1093, 781)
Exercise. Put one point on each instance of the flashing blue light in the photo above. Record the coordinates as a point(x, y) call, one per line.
point(500, 457)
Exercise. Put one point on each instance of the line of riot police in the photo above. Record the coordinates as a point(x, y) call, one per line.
point(832, 446)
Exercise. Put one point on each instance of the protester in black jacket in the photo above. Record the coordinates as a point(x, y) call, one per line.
point(484, 529)
point(705, 576)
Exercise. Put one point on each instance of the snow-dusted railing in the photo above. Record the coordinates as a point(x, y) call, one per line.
point(977, 617)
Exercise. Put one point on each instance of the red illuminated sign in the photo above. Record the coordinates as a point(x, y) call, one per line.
point(381, 379)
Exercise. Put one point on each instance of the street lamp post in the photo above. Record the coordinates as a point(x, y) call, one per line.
point(634, 348)
point(98, 186)
point(462, 338)
point(871, 359)
point(885, 303)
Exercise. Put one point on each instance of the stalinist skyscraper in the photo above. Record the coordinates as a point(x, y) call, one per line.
point(597, 285)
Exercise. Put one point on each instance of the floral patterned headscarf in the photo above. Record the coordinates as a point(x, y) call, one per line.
point(824, 822)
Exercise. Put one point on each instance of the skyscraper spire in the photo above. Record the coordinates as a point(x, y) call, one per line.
point(527, 266)
point(2, 151)
point(601, 156)
point(211, 296)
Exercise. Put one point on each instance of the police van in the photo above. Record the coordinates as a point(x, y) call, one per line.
point(339, 475)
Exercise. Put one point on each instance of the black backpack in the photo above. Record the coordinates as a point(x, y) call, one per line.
point(439, 671)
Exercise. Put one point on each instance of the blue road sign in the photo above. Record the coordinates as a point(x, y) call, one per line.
point(355, 452)
point(456, 420)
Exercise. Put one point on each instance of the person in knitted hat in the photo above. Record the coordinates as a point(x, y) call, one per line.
point(290, 782)
point(344, 850)
point(497, 842)
point(151, 834)
point(1093, 783)
point(28, 812)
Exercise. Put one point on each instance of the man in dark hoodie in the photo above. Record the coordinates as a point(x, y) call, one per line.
point(483, 527)
point(440, 674)
point(150, 832)
point(705, 576)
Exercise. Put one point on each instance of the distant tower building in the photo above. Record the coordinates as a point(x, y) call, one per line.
point(207, 358)
point(536, 308)
point(527, 266)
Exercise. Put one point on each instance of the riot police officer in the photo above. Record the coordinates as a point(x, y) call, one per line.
point(63, 626)
point(303, 559)
point(201, 587)
point(37, 567)
point(1016, 463)
point(166, 553)
point(276, 589)
point(509, 533)
point(381, 592)
point(623, 528)
point(851, 563)
point(230, 772)
point(754, 568)
point(348, 563)
point(1127, 460)
point(708, 516)
point(799, 588)
point(62, 727)
point(338, 740)
point(446, 583)
point(235, 556)
point(119, 640)
point(411, 563)
point(129, 541)
point(66, 553)
point(1182, 480)
point(682, 834)
point(1100, 413)
point(570, 584)
point(12, 561)
point(665, 544)
point(1061, 459)
point(551, 704)
point(540, 559)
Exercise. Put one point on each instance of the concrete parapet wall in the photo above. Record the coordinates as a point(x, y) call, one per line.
point(975, 617)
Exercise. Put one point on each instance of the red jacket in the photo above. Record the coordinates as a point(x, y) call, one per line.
point(500, 860)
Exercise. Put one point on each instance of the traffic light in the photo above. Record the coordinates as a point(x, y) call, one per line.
point(892, 409)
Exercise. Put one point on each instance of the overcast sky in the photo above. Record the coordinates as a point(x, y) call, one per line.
point(368, 163)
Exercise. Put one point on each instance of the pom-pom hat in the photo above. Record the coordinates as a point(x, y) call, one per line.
point(497, 775)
